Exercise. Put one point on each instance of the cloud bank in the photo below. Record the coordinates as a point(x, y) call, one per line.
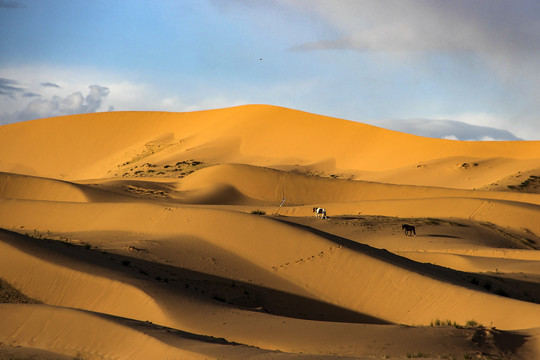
point(445, 129)
point(42, 106)
point(75, 103)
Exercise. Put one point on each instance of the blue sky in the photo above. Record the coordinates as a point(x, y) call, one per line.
point(363, 60)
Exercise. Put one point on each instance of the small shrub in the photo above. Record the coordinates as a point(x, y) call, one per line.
point(431, 221)
point(258, 212)
point(471, 323)
point(417, 355)
point(447, 322)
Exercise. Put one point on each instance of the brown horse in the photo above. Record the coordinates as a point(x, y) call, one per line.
point(409, 230)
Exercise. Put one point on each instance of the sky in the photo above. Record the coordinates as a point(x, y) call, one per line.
point(401, 63)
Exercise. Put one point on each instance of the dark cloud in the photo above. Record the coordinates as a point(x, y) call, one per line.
point(445, 129)
point(50, 84)
point(502, 35)
point(9, 87)
point(11, 5)
point(491, 45)
point(491, 27)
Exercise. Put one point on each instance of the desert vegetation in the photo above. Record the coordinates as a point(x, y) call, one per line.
point(177, 170)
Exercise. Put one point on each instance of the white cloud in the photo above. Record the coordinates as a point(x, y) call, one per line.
point(63, 91)
point(475, 118)
point(445, 129)
point(74, 103)
point(130, 96)
point(51, 91)
point(526, 127)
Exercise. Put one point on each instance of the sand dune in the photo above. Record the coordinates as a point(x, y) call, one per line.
point(201, 315)
point(161, 235)
point(15, 186)
point(268, 185)
point(63, 330)
point(256, 135)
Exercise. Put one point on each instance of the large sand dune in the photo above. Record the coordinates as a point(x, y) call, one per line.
point(191, 235)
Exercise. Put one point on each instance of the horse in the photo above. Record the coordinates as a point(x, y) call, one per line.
point(409, 230)
point(321, 211)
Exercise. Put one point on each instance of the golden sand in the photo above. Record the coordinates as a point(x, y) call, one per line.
point(138, 235)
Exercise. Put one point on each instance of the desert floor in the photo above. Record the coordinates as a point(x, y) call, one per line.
point(146, 235)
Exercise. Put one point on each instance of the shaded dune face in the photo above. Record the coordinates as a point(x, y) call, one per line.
point(192, 235)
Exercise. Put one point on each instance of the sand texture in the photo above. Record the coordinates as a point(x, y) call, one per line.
point(150, 235)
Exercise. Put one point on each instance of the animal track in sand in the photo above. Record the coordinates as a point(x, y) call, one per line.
point(311, 258)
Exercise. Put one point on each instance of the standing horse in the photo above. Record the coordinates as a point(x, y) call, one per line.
point(409, 230)
point(321, 211)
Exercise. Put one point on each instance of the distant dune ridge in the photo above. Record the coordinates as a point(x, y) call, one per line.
point(136, 235)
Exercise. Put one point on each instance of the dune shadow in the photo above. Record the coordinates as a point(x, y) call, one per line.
point(483, 282)
point(442, 236)
point(381, 254)
point(235, 293)
point(510, 341)
point(154, 330)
